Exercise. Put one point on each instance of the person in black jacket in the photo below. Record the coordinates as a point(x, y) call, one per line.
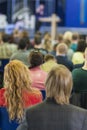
point(62, 56)
point(55, 113)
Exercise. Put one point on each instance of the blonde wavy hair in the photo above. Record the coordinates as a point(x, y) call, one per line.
point(16, 79)
point(59, 84)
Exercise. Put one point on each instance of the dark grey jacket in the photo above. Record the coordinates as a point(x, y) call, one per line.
point(51, 116)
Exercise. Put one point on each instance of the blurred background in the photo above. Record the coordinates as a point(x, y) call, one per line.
point(25, 14)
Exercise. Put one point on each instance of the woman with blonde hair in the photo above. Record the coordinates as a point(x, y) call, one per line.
point(55, 113)
point(18, 91)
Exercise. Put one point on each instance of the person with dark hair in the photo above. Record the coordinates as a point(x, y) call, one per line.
point(22, 53)
point(74, 43)
point(38, 44)
point(6, 49)
point(55, 113)
point(38, 76)
point(78, 56)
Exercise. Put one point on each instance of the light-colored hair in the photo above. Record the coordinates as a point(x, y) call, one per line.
point(16, 79)
point(62, 48)
point(47, 45)
point(68, 35)
point(59, 84)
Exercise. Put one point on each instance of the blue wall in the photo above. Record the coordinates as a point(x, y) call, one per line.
point(73, 16)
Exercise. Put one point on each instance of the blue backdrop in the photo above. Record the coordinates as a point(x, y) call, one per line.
point(76, 13)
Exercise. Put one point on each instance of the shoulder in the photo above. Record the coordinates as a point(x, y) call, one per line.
point(76, 70)
point(35, 95)
point(2, 98)
point(77, 111)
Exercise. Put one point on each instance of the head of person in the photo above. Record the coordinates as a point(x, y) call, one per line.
point(16, 36)
point(16, 80)
point(23, 34)
point(75, 37)
point(67, 42)
point(81, 45)
point(59, 84)
point(23, 43)
point(62, 49)
point(47, 45)
point(49, 57)
point(5, 38)
point(68, 35)
point(37, 39)
point(47, 36)
point(60, 38)
point(35, 58)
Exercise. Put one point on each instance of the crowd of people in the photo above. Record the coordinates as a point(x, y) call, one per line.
point(58, 67)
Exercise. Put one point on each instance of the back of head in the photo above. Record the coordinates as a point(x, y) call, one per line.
point(49, 57)
point(37, 39)
point(62, 48)
point(75, 36)
point(5, 38)
point(60, 38)
point(35, 58)
point(68, 35)
point(59, 84)
point(16, 79)
point(23, 34)
point(23, 43)
point(81, 45)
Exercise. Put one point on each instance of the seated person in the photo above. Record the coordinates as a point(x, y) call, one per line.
point(62, 58)
point(22, 53)
point(18, 91)
point(38, 76)
point(50, 62)
point(79, 97)
point(55, 113)
point(78, 56)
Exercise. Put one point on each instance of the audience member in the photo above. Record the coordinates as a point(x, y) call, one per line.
point(55, 113)
point(47, 45)
point(80, 85)
point(78, 56)
point(74, 43)
point(50, 62)
point(18, 91)
point(70, 52)
point(54, 51)
point(38, 76)
point(6, 49)
point(62, 56)
point(16, 36)
point(22, 53)
point(67, 36)
point(38, 44)
point(60, 38)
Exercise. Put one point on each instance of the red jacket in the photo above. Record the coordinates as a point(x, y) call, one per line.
point(29, 98)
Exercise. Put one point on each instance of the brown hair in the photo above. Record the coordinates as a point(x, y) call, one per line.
point(16, 79)
point(75, 36)
point(49, 57)
point(59, 84)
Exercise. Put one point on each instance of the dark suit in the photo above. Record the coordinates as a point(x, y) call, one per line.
point(64, 61)
point(51, 116)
